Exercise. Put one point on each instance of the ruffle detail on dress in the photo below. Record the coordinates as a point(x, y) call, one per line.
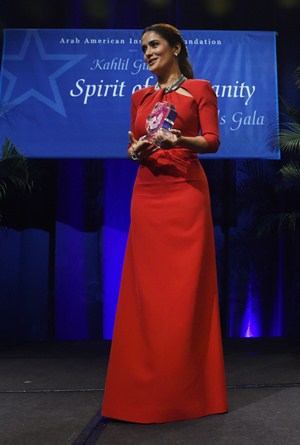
point(173, 162)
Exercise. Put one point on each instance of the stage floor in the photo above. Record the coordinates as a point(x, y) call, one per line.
point(51, 393)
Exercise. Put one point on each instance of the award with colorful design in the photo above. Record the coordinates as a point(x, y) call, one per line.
point(161, 119)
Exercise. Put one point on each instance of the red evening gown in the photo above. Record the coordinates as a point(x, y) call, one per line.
point(166, 360)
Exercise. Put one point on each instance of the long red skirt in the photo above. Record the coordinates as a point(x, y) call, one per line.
point(166, 360)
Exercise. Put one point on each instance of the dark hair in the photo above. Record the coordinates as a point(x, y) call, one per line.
point(172, 36)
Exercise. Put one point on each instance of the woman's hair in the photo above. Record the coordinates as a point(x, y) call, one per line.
point(173, 36)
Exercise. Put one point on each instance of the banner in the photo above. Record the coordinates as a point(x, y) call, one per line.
point(66, 93)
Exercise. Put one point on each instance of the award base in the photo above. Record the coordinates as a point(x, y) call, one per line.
point(151, 137)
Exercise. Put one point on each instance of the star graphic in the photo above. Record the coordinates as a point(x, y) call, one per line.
point(24, 82)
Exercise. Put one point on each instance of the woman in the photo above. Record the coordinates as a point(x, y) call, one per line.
point(166, 360)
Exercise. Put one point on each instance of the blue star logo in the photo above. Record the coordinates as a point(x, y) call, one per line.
point(24, 82)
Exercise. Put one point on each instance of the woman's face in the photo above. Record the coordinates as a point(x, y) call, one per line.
point(158, 54)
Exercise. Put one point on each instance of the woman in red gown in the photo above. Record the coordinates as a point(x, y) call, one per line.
point(166, 360)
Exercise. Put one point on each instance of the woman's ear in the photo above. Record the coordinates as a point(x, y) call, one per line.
point(177, 49)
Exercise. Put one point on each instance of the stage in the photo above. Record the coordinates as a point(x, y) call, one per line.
point(51, 393)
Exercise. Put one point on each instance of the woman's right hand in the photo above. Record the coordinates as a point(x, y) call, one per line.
point(141, 149)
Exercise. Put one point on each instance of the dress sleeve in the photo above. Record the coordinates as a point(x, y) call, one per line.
point(133, 111)
point(208, 115)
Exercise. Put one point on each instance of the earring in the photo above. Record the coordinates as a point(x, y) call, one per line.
point(175, 54)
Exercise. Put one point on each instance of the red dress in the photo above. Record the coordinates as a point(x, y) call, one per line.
point(166, 360)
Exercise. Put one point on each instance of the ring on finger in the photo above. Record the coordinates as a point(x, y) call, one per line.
point(134, 156)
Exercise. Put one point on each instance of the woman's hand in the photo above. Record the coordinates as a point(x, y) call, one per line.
point(168, 139)
point(174, 138)
point(139, 149)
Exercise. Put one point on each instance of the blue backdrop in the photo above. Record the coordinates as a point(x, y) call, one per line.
point(66, 93)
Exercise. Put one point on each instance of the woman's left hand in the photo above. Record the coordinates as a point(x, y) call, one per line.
point(167, 139)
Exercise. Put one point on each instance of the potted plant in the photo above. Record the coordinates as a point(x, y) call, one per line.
point(14, 175)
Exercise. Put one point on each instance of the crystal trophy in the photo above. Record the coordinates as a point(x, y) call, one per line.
point(161, 119)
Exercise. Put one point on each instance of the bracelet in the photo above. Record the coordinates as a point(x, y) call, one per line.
point(134, 156)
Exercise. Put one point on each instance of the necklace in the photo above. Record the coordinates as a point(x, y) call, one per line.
point(174, 85)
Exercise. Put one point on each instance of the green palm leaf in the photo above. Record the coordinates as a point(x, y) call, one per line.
point(13, 169)
point(290, 138)
point(291, 171)
point(277, 222)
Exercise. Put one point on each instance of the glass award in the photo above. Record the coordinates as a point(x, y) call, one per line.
point(161, 119)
